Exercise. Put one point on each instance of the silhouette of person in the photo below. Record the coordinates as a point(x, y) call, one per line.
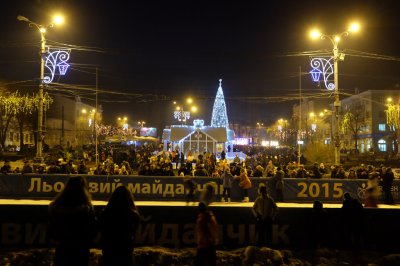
point(72, 223)
point(387, 183)
point(118, 224)
point(206, 237)
point(353, 220)
point(318, 223)
point(265, 210)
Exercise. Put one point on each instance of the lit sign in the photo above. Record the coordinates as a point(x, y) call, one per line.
point(270, 143)
point(322, 66)
point(56, 60)
point(242, 141)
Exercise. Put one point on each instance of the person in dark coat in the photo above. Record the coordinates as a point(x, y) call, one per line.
point(72, 223)
point(353, 220)
point(387, 183)
point(265, 211)
point(206, 237)
point(118, 224)
point(318, 226)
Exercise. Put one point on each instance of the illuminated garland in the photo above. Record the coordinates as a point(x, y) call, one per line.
point(323, 66)
point(54, 60)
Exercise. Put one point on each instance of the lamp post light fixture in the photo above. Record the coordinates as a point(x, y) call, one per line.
point(141, 123)
point(334, 39)
point(183, 115)
point(57, 20)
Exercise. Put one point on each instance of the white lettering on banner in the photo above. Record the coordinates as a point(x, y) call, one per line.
point(148, 232)
point(394, 188)
point(134, 188)
point(157, 187)
point(169, 235)
point(38, 186)
point(35, 234)
point(180, 189)
point(105, 188)
point(313, 190)
point(58, 186)
point(189, 234)
point(240, 234)
point(47, 187)
point(32, 187)
point(10, 234)
point(169, 189)
point(146, 189)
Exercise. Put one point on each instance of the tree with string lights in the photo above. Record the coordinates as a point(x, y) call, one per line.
point(219, 116)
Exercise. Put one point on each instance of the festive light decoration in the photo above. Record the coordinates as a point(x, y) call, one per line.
point(181, 115)
point(54, 60)
point(198, 122)
point(323, 66)
point(219, 116)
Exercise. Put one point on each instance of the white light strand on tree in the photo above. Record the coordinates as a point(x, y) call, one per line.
point(219, 115)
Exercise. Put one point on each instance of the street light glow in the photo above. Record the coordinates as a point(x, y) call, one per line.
point(314, 34)
point(354, 27)
point(58, 20)
point(194, 109)
point(389, 99)
point(42, 30)
point(189, 100)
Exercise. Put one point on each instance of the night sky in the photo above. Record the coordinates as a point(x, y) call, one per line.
point(149, 53)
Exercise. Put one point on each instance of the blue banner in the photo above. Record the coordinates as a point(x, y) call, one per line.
point(162, 188)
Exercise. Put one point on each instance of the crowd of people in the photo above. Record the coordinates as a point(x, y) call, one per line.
point(73, 225)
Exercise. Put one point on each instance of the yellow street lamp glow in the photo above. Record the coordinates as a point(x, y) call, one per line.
point(178, 108)
point(354, 27)
point(337, 39)
point(314, 34)
point(58, 20)
point(189, 100)
point(42, 30)
point(125, 118)
point(194, 109)
point(84, 111)
point(312, 114)
point(321, 114)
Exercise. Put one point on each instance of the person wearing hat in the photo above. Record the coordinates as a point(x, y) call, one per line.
point(265, 211)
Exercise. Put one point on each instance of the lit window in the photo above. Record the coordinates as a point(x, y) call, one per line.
point(382, 145)
point(382, 127)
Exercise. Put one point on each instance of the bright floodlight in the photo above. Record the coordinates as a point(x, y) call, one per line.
point(354, 27)
point(389, 99)
point(314, 34)
point(194, 109)
point(189, 100)
point(58, 20)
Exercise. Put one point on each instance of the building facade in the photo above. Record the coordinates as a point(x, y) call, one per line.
point(369, 120)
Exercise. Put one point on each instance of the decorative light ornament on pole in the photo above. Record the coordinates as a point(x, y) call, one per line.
point(323, 66)
point(181, 115)
point(56, 59)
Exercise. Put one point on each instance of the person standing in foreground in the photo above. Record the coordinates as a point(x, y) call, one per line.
point(72, 223)
point(265, 210)
point(206, 237)
point(118, 224)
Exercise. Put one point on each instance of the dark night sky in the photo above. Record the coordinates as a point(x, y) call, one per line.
point(165, 50)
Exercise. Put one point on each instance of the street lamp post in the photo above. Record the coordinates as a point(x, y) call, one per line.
point(334, 39)
point(42, 30)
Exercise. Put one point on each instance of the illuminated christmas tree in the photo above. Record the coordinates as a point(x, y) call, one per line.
point(219, 116)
